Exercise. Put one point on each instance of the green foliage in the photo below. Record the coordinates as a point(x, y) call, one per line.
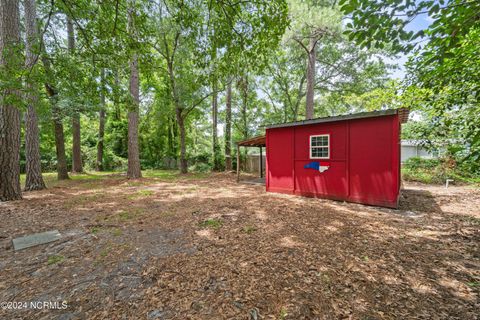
point(211, 223)
point(249, 229)
point(436, 171)
point(55, 259)
point(200, 167)
point(386, 23)
point(417, 163)
point(442, 80)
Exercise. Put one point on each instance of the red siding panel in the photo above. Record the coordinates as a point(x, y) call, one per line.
point(328, 184)
point(337, 132)
point(372, 171)
point(280, 160)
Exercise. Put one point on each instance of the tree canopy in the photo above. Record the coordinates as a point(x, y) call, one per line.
point(180, 81)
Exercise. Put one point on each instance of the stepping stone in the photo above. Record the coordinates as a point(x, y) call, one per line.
point(35, 239)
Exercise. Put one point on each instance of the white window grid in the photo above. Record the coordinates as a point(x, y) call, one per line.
point(319, 146)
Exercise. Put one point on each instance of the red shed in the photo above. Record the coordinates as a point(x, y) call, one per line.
point(353, 157)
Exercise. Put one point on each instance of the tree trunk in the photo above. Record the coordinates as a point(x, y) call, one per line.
point(62, 170)
point(76, 149)
point(183, 151)
point(228, 129)
point(215, 146)
point(76, 145)
point(310, 79)
point(33, 168)
point(116, 95)
point(10, 98)
point(180, 119)
point(101, 127)
point(133, 171)
point(245, 106)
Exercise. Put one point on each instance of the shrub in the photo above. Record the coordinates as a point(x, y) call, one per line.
point(436, 171)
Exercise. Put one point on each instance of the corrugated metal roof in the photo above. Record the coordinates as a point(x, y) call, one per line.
point(253, 142)
point(351, 116)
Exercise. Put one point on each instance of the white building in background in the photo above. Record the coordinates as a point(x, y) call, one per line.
point(413, 148)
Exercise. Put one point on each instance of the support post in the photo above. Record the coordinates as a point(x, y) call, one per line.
point(238, 163)
point(261, 163)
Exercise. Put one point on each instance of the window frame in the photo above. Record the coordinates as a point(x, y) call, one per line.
point(328, 146)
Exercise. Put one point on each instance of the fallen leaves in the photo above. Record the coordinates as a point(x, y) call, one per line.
point(208, 248)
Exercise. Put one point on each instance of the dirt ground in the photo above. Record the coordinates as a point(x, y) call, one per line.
point(205, 247)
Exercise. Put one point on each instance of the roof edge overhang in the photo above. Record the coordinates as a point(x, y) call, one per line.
point(258, 141)
point(361, 115)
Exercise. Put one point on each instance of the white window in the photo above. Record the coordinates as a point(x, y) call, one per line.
point(320, 146)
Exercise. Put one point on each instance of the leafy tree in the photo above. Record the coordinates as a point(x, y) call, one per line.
point(444, 64)
point(186, 42)
point(313, 22)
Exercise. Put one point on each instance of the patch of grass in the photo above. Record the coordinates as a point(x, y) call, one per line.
point(141, 193)
point(172, 175)
point(195, 175)
point(55, 259)
point(249, 229)
point(105, 252)
point(146, 193)
point(127, 214)
point(211, 223)
point(474, 221)
point(117, 232)
point(168, 175)
point(283, 314)
point(473, 284)
point(95, 230)
point(50, 179)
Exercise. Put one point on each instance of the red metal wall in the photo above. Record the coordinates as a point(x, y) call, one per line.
point(364, 161)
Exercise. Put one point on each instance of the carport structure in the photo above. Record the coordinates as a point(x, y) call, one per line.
point(258, 142)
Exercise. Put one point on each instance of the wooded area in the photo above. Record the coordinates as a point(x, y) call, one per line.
point(87, 85)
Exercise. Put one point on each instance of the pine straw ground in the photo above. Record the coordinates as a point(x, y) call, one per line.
point(204, 247)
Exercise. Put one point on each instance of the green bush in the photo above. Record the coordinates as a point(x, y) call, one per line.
point(416, 163)
point(200, 167)
point(436, 171)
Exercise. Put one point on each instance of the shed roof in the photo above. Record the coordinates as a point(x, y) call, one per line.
point(403, 114)
point(258, 141)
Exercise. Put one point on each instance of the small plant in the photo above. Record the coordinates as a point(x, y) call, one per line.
point(124, 215)
point(365, 258)
point(55, 259)
point(283, 314)
point(211, 223)
point(472, 220)
point(145, 193)
point(249, 229)
point(473, 284)
point(140, 194)
point(104, 252)
point(95, 230)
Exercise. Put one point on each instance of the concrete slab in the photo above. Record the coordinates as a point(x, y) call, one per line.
point(35, 239)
